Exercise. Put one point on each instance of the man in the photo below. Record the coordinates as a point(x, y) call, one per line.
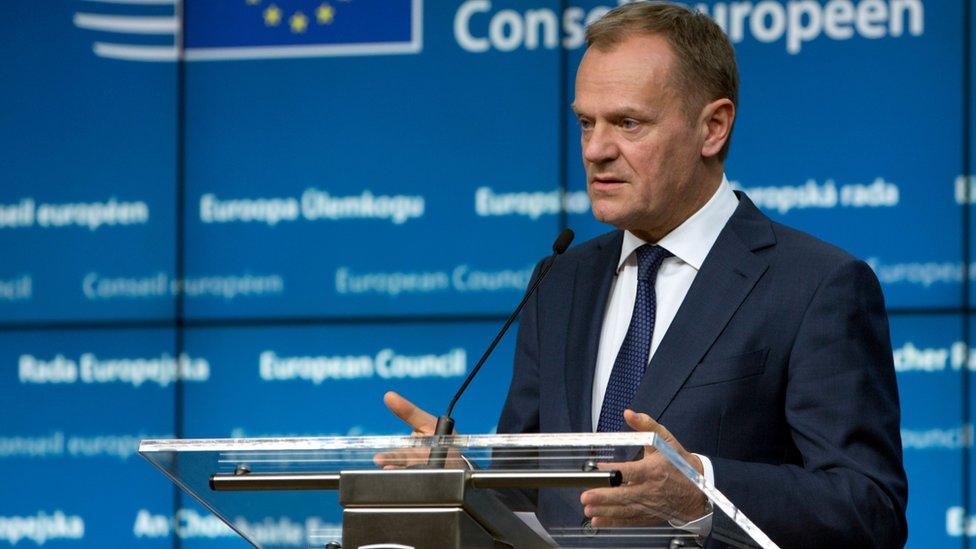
point(762, 350)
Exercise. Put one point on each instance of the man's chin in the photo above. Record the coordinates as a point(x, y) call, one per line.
point(605, 215)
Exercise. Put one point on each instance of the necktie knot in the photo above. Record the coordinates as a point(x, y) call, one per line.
point(649, 259)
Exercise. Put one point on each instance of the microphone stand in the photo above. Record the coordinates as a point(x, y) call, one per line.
point(445, 423)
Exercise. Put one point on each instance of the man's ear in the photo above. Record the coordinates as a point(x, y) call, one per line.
point(716, 124)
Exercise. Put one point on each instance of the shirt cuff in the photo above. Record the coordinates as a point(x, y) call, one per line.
point(707, 467)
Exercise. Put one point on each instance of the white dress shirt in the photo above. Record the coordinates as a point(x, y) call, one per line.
point(689, 243)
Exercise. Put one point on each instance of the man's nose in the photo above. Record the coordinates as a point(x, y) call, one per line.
point(599, 145)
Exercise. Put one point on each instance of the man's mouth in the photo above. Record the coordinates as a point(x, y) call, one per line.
point(605, 182)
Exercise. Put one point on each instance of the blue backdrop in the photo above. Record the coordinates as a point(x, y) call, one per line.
point(196, 193)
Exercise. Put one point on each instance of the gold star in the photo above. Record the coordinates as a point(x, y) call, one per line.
point(298, 22)
point(272, 16)
point(324, 14)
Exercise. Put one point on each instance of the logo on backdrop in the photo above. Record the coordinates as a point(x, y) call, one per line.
point(938, 439)
point(925, 274)
point(313, 205)
point(18, 288)
point(783, 199)
point(959, 523)
point(254, 29)
point(89, 369)
point(480, 27)
point(42, 527)
point(488, 203)
point(59, 444)
point(191, 524)
point(386, 364)
point(88, 215)
point(910, 358)
point(96, 286)
point(462, 278)
point(962, 182)
point(351, 431)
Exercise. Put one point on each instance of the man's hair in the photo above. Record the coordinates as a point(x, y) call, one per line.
point(706, 68)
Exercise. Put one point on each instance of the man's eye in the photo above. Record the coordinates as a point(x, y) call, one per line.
point(629, 124)
point(584, 123)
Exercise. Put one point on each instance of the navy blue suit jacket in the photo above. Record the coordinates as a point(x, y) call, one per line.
point(777, 366)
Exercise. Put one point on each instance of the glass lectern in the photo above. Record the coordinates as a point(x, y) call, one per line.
point(491, 491)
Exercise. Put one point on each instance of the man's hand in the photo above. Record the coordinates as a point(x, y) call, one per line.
point(423, 424)
point(653, 490)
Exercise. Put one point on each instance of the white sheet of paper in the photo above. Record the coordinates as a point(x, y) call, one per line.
point(532, 521)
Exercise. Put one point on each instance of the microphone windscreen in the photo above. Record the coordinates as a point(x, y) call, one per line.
point(563, 241)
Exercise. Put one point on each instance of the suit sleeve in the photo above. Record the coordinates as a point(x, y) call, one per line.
point(520, 414)
point(841, 403)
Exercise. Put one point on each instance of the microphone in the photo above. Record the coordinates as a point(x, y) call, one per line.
point(445, 423)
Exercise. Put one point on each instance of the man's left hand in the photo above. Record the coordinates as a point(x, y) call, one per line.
point(653, 491)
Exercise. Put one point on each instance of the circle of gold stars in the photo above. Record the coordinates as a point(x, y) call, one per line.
point(297, 22)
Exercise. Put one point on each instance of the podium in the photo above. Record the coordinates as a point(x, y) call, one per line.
point(494, 491)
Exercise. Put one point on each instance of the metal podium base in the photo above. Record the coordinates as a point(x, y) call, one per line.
point(419, 528)
point(426, 509)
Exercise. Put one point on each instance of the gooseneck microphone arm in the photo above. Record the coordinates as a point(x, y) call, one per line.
point(445, 423)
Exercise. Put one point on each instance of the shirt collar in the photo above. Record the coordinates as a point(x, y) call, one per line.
point(692, 240)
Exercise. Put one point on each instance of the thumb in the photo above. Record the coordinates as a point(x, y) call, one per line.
point(410, 413)
point(644, 422)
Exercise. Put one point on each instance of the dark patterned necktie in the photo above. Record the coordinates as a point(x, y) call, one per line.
point(631, 362)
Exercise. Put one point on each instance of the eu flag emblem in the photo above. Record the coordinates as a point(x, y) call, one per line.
point(254, 29)
point(298, 28)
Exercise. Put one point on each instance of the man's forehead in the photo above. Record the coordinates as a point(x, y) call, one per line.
point(636, 51)
point(630, 72)
point(637, 57)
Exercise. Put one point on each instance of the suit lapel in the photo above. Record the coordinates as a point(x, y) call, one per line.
point(591, 288)
point(726, 277)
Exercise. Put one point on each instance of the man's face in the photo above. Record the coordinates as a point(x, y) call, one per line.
point(641, 151)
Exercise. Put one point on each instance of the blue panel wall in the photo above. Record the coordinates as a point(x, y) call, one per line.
point(376, 179)
point(930, 357)
point(76, 404)
point(88, 163)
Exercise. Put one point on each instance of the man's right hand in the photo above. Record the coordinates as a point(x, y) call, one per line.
point(423, 423)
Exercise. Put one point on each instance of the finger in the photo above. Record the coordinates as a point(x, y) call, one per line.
point(403, 457)
point(607, 496)
point(611, 511)
point(627, 514)
point(597, 496)
point(644, 422)
point(388, 458)
point(630, 471)
point(607, 522)
point(410, 413)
